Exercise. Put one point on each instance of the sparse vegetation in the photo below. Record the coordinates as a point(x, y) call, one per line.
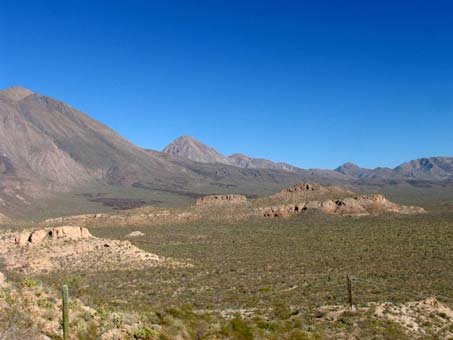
point(269, 279)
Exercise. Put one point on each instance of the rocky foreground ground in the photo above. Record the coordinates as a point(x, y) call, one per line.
point(72, 249)
point(29, 310)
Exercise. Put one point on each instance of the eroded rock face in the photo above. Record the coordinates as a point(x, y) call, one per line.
point(73, 249)
point(43, 235)
point(304, 187)
point(284, 210)
point(219, 199)
point(350, 206)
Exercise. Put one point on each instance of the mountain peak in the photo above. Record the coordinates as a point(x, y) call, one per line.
point(351, 169)
point(348, 165)
point(189, 147)
point(17, 92)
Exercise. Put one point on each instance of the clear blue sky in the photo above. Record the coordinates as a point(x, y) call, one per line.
point(312, 83)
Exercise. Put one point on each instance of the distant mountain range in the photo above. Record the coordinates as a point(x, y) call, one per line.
point(48, 147)
point(423, 169)
point(188, 147)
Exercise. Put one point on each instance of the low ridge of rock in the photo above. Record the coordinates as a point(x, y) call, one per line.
point(350, 206)
point(220, 199)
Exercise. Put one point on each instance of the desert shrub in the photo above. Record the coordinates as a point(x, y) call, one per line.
point(89, 332)
point(238, 329)
point(144, 333)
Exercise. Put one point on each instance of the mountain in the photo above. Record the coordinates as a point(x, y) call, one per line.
point(55, 159)
point(244, 161)
point(48, 147)
point(190, 148)
point(61, 147)
point(350, 169)
point(423, 169)
point(433, 168)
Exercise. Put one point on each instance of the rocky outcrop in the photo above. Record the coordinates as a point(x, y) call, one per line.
point(304, 187)
point(310, 191)
point(350, 206)
point(220, 199)
point(73, 249)
point(283, 210)
point(45, 235)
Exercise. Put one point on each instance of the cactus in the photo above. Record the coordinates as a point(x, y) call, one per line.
point(65, 312)
point(349, 290)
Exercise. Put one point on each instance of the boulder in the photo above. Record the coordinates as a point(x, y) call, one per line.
point(135, 234)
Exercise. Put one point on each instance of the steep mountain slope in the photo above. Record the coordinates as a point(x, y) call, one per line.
point(63, 146)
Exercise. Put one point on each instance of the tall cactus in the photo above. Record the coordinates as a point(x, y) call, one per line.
point(65, 294)
point(349, 290)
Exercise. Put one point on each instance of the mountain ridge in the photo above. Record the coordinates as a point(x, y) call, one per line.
point(190, 148)
point(48, 147)
point(436, 168)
